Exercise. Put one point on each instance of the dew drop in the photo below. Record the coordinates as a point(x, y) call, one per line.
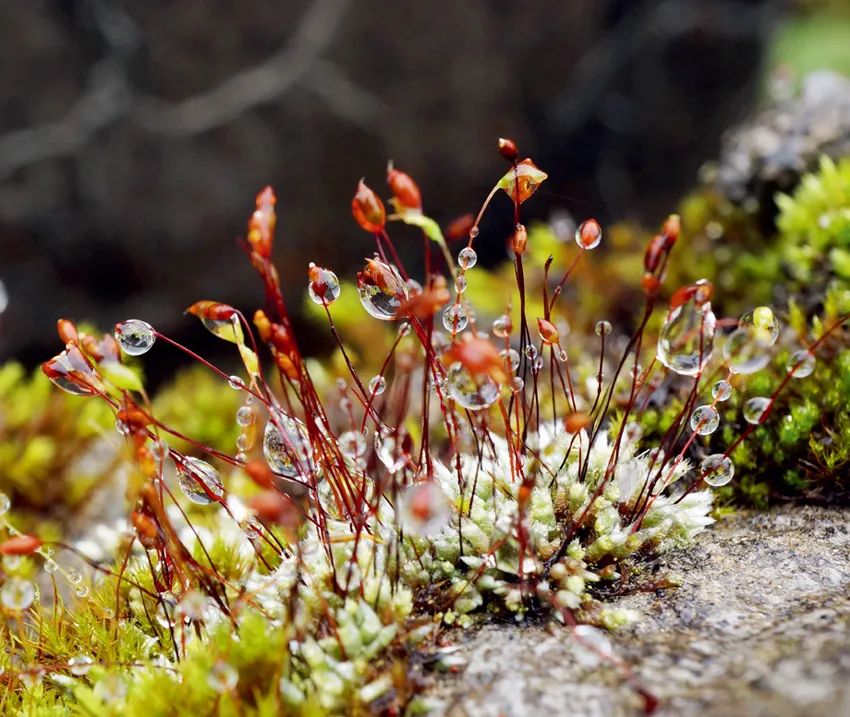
point(377, 385)
point(388, 448)
point(199, 481)
point(455, 318)
point(686, 340)
point(80, 665)
point(511, 359)
point(717, 470)
point(763, 322)
point(746, 350)
point(531, 352)
point(352, 444)
point(134, 336)
point(222, 677)
point(502, 326)
point(474, 393)
point(562, 355)
point(423, 509)
point(603, 328)
point(50, 566)
point(243, 442)
point(517, 384)
point(801, 364)
point(705, 420)
point(721, 390)
point(467, 258)
point(17, 594)
point(589, 234)
point(460, 283)
point(74, 577)
point(381, 290)
point(754, 409)
point(82, 591)
point(244, 416)
point(323, 286)
point(236, 383)
point(473, 233)
point(5, 503)
point(290, 454)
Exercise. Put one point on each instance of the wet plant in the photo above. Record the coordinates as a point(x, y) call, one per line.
point(479, 469)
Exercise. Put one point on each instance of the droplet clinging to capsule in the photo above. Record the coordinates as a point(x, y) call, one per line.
point(381, 289)
point(686, 340)
point(322, 286)
point(589, 234)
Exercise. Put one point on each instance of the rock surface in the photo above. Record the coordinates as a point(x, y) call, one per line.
point(760, 627)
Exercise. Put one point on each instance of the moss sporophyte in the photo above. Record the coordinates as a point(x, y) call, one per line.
point(368, 502)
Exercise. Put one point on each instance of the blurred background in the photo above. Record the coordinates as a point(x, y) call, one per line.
point(134, 134)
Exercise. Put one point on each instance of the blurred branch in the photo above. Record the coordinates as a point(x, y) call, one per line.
point(109, 95)
point(251, 87)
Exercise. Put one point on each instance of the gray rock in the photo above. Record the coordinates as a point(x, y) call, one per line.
point(761, 626)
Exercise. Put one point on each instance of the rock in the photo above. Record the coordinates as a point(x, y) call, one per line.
point(759, 628)
point(769, 152)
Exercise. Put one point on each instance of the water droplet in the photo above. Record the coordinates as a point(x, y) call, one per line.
point(290, 454)
point(244, 416)
point(531, 352)
point(755, 408)
point(721, 390)
point(388, 447)
point(17, 594)
point(473, 233)
point(236, 383)
point(686, 339)
point(632, 432)
point(323, 285)
point(704, 420)
point(511, 359)
point(806, 361)
point(199, 481)
point(764, 322)
point(502, 326)
point(460, 283)
point(537, 364)
point(594, 646)
point(134, 336)
point(222, 677)
point(746, 350)
point(243, 442)
point(717, 470)
point(589, 234)
point(517, 384)
point(467, 258)
point(82, 591)
point(74, 577)
point(377, 385)
point(603, 328)
point(472, 392)
point(50, 566)
point(352, 444)
point(381, 290)
point(562, 355)
point(423, 509)
point(80, 665)
point(5, 503)
point(11, 562)
point(455, 318)
point(404, 328)
point(241, 457)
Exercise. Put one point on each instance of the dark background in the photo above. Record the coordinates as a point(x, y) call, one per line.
point(134, 134)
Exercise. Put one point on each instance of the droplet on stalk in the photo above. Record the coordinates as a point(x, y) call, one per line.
point(686, 340)
point(717, 470)
point(467, 258)
point(323, 285)
point(755, 408)
point(721, 390)
point(705, 420)
point(199, 481)
point(455, 318)
point(134, 336)
point(288, 454)
point(801, 364)
point(473, 392)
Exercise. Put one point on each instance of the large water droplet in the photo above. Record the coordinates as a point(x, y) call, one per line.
point(455, 318)
point(746, 350)
point(17, 594)
point(199, 481)
point(472, 392)
point(352, 444)
point(381, 289)
point(134, 336)
point(511, 359)
point(721, 390)
point(755, 408)
point(717, 469)
point(289, 454)
point(704, 420)
point(687, 338)
point(801, 364)
point(423, 509)
point(467, 258)
point(389, 448)
point(502, 326)
point(603, 328)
